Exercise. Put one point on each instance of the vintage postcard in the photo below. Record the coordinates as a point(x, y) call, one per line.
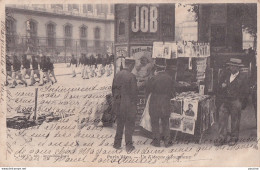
point(92, 83)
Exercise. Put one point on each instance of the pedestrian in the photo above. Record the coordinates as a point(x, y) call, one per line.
point(35, 70)
point(124, 91)
point(44, 71)
point(73, 65)
point(25, 67)
point(51, 70)
point(81, 65)
point(233, 88)
point(8, 69)
point(17, 72)
point(162, 89)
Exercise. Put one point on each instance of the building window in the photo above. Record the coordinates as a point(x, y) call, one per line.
point(32, 28)
point(121, 28)
point(10, 32)
point(51, 29)
point(68, 31)
point(85, 9)
point(73, 7)
point(83, 43)
point(97, 33)
point(83, 31)
point(112, 8)
point(51, 34)
point(90, 8)
point(57, 6)
point(99, 9)
point(10, 26)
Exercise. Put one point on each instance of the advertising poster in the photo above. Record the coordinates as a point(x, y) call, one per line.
point(188, 125)
point(190, 108)
point(176, 106)
point(143, 61)
point(121, 53)
point(175, 123)
point(162, 50)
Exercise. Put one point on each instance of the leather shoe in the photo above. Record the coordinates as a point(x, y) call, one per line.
point(155, 144)
point(232, 141)
point(129, 148)
point(116, 146)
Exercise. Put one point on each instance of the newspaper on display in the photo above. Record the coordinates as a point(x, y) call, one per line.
point(184, 112)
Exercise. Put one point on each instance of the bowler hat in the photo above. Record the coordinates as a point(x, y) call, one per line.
point(235, 62)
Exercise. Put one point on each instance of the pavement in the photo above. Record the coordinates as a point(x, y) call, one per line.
point(97, 137)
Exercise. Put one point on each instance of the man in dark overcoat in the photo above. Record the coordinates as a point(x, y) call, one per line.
point(161, 87)
point(124, 91)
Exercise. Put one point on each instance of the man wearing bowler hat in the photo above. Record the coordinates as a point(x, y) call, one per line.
point(233, 88)
point(161, 87)
point(124, 91)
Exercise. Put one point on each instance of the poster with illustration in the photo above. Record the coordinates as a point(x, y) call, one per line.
point(121, 54)
point(176, 106)
point(175, 122)
point(190, 108)
point(143, 61)
point(188, 125)
point(162, 50)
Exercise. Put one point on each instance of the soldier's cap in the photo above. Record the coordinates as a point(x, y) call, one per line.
point(235, 62)
point(129, 61)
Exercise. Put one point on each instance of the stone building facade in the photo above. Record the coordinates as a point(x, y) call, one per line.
point(60, 29)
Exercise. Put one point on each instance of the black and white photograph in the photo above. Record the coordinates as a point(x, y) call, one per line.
point(129, 83)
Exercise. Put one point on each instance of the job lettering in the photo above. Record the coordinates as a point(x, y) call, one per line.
point(145, 20)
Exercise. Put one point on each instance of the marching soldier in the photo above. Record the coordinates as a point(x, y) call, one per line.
point(51, 70)
point(44, 71)
point(99, 65)
point(124, 91)
point(86, 65)
point(81, 64)
point(73, 65)
point(17, 72)
point(25, 67)
point(35, 70)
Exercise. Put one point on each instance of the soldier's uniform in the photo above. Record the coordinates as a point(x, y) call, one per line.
point(93, 66)
point(124, 91)
point(35, 70)
point(44, 70)
point(25, 67)
point(51, 70)
point(86, 67)
point(73, 64)
point(162, 90)
point(81, 64)
point(99, 65)
point(17, 72)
